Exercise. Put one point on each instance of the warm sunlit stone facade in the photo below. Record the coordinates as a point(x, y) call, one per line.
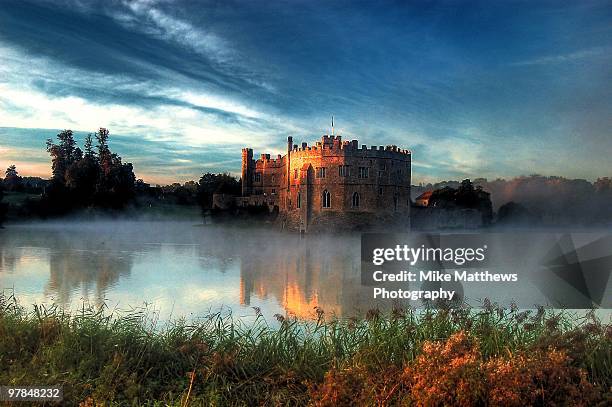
point(331, 185)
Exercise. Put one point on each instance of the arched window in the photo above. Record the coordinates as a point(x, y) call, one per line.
point(355, 200)
point(326, 199)
point(299, 200)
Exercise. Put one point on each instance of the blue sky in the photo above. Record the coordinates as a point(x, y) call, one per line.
point(475, 89)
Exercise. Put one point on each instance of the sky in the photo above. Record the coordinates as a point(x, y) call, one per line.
point(475, 89)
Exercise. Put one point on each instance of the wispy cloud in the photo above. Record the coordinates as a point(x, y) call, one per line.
point(564, 58)
point(143, 15)
point(39, 90)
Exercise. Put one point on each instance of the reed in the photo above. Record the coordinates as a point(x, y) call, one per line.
point(128, 358)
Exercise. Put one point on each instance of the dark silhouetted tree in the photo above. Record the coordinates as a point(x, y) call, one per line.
point(88, 147)
point(63, 154)
point(216, 183)
point(82, 179)
point(464, 196)
point(87, 179)
point(105, 157)
point(12, 180)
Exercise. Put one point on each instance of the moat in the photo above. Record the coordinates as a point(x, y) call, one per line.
point(190, 269)
point(181, 268)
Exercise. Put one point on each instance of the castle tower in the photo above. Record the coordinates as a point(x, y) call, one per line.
point(247, 171)
point(288, 166)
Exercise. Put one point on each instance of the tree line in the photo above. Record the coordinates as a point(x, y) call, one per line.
point(93, 176)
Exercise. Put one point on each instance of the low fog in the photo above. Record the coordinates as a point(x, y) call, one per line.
point(550, 201)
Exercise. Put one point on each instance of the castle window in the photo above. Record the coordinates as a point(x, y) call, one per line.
point(273, 191)
point(273, 178)
point(343, 170)
point(380, 191)
point(258, 177)
point(295, 174)
point(299, 200)
point(326, 199)
point(320, 172)
point(355, 200)
point(364, 172)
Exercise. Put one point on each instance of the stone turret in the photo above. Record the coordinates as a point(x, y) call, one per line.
point(247, 171)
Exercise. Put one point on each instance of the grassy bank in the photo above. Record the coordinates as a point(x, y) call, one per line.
point(488, 357)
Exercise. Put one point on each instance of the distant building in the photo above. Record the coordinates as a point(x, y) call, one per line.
point(333, 184)
point(423, 199)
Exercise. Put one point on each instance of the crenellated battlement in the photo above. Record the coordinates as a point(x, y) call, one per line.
point(266, 160)
point(346, 148)
point(333, 144)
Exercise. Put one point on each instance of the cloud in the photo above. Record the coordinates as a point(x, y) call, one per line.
point(153, 110)
point(563, 58)
point(177, 120)
point(147, 18)
point(192, 84)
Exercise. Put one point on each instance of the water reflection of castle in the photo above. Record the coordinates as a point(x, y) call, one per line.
point(311, 275)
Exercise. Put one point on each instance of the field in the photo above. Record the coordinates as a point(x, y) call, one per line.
point(467, 357)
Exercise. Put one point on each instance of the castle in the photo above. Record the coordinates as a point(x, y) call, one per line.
point(334, 185)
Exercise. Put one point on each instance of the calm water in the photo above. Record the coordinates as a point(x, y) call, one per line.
point(181, 268)
point(189, 269)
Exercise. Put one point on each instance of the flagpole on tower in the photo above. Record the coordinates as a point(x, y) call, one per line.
point(332, 125)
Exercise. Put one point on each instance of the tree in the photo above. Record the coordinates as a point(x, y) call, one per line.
point(216, 183)
point(86, 178)
point(81, 179)
point(105, 157)
point(12, 180)
point(63, 154)
point(464, 196)
point(11, 171)
point(88, 147)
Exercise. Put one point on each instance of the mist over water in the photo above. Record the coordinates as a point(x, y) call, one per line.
point(180, 268)
point(189, 269)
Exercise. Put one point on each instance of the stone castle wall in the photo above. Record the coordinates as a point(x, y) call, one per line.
point(330, 180)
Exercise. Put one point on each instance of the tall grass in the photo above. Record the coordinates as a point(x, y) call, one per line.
point(127, 358)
